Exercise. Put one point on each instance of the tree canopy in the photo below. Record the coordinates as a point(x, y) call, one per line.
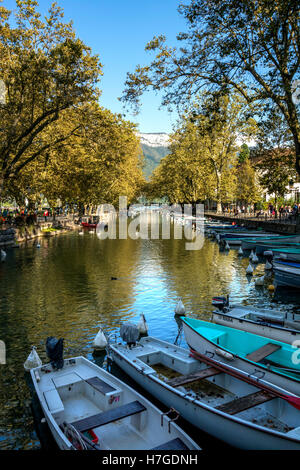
point(251, 47)
point(55, 139)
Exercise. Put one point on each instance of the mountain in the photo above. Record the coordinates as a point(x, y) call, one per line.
point(155, 147)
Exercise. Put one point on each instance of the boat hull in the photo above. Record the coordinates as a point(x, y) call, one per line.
point(287, 276)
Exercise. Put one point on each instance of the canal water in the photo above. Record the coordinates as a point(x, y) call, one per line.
point(65, 289)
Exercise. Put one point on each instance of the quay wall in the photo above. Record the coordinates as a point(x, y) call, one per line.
point(13, 236)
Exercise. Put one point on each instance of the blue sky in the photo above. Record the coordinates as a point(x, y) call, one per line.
point(118, 30)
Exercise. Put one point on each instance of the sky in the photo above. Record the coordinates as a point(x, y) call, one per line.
point(118, 30)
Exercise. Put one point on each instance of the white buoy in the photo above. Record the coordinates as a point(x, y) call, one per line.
point(180, 308)
point(33, 360)
point(240, 252)
point(254, 258)
point(3, 255)
point(259, 281)
point(38, 245)
point(100, 341)
point(251, 255)
point(80, 233)
point(250, 269)
point(268, 266)
point(142, 325)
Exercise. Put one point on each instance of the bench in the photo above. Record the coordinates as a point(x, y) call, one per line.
point(100, 385)
point(53, 401)
point(174, 444)
point(185, 379)
point(109, 416)
point(263, 352)
point(244, 403)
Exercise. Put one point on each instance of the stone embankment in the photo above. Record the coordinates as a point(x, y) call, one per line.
point(14, 236)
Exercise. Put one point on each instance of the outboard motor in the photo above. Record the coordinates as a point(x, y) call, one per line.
point(221, 303)
point(54, 350)
point(129, 333)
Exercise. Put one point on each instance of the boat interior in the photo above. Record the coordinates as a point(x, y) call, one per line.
point(256, 348)
point(200, 382)
point(93, 403)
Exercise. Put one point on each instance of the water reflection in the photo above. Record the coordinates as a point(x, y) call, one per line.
point(65, 289)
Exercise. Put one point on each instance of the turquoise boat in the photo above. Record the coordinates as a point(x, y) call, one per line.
point(275, 361)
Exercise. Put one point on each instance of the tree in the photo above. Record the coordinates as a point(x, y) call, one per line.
point(273, 156)
point(46, 71)
point(203, 157)
point(97, 165)
point(247, 189)
point(252, 47)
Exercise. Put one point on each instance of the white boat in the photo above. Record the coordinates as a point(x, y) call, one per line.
point(87, 407)
point(247, 352)
point(236, 410)
point(273, 324)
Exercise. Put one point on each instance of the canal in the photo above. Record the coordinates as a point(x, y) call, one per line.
point(65, 289)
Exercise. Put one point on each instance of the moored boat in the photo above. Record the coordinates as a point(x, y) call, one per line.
point(286, 273)
point(291, 254)
point(88, 408)
point(275, 361)
point(239, 238)
point(291, 241)
point(273, 324)
point(226, 405)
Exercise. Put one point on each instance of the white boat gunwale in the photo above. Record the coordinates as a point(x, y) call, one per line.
point(197, 402)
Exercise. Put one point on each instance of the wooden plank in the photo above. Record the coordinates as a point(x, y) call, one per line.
point(263, 352)
point(185, 379)
point(174, 444)
point(100, 385)
point(108, 416)
point(244, 403)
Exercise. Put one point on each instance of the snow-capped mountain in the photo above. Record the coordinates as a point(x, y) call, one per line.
point(155, 139)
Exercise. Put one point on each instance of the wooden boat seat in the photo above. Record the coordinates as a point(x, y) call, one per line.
point(185, 379)
point(100, 385)
point(174, 444)
point(263, 352)
point(109, 416)
point(244, 403)
point(53, 401)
